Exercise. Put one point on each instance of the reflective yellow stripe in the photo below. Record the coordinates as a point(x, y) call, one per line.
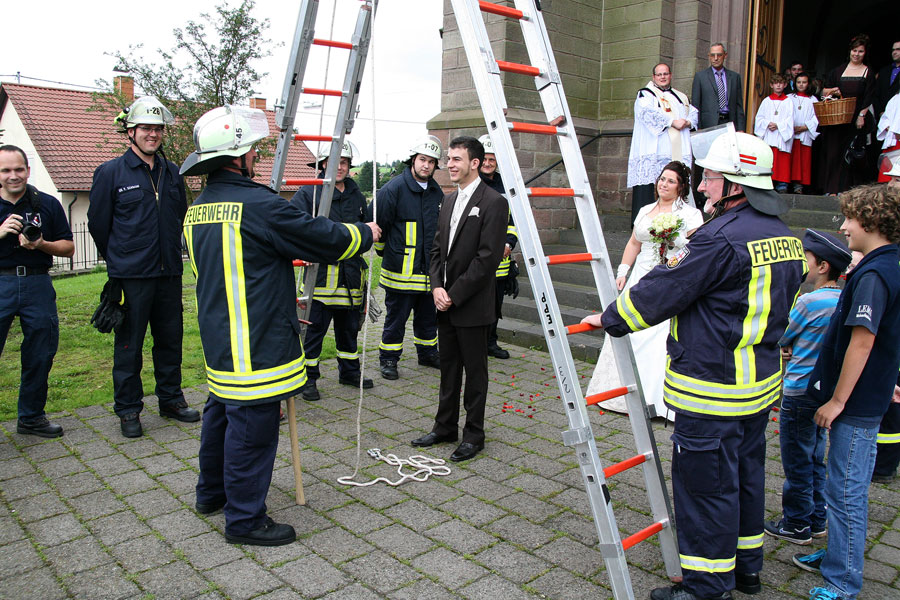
point(715, 389)
point(189, 240)
point(751, 541)
point(707, 565)
point(421, 342)
point(503, 269)
point(759, 304)
point(348, 355)
point(409, 256)
point(708, 406)
point(390, 347)
point(673, 327)
point(511, 230)
point(629, 313)
point(355, 241)
point(379, 246)
point(256, 392)
point(398, 281)
point(312, 362)
point(239, 328)
point(889, 438)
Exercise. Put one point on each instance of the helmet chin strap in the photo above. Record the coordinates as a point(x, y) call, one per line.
point(720, 205)
point(244, 170)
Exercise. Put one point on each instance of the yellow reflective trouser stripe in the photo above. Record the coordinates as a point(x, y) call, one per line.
point(384, 346)
point(708, 565)
point(348, 355)
point(355, 241)
point(759, 302)
point(411, 282)
point(312, 362)
point(409, 257)
point(751, 541)
point(236, 294)
point(889, 438)
point(629, 313)
point(421, 342)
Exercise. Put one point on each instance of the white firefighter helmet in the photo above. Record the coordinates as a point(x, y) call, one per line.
point(222, 134)
point(488, 145)
point(348, 151)
point(146, 110)
point(890, 163)
point(743, 159)
point(428, 146)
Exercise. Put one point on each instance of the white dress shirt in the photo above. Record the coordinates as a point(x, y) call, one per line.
point(462, 199)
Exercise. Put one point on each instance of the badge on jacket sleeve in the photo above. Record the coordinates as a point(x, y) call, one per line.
point(676, 259)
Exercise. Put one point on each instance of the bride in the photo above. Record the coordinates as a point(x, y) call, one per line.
point(672, 188)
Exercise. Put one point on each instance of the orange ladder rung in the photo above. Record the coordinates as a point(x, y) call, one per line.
point(607, 395)
point(565, 259)
point(322, 92)
point(301, 263)
point(503, 11)
point(333, 44)
point(533, 128)
point(306, 137)
point(624, 465)
point(641, 535)
point(550, 192)
point(580, 328)
point(511, 67)
point(302, 181)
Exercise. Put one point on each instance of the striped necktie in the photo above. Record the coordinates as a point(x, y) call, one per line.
point(720, 87)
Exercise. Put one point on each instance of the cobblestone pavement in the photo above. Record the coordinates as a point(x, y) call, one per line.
point(95, 515)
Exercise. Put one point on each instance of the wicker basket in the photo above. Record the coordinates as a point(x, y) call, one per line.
point(835, 112)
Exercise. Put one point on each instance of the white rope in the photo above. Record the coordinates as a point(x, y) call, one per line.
point(422, 464)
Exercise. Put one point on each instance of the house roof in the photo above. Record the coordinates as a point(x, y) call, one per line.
point(72, 142)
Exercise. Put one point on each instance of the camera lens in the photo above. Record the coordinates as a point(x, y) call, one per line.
point(31, 232)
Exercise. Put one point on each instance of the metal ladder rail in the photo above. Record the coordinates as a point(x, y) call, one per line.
point(346, 115)
point(580, 436)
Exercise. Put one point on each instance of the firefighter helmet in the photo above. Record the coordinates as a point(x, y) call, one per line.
point(488, 145)
point(348, 151)
point(146, 110)
point(224, 133)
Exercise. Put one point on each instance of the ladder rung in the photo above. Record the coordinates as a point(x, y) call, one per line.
point(641, 535)
point(333, 44)
point(580, 328)
point(551, 192)
point(565, 259)
point(607, 395)
point(511, 67)
point(624, 465)
point(302, 182)
point(301, 263)
point(503, 11)
point(533, 128)
point(305, 137)
point(322, 92)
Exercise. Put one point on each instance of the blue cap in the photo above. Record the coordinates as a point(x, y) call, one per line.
point(827, 247)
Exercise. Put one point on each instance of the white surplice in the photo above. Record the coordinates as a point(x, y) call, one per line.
point(780, 112)
point(805, 114)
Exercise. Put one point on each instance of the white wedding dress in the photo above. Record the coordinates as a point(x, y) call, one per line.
point(650, 344)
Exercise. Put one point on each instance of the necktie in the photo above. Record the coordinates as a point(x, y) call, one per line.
point(720, 87)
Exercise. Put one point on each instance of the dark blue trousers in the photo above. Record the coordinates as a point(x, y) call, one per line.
point(237, 453)
point(718, 486)
point(156, 302)
point(397, 307)
point(346, 330)
point(33, 299)
point(889, 442)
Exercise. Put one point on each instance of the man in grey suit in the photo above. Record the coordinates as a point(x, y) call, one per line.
point(465, 254)
point(718, 93)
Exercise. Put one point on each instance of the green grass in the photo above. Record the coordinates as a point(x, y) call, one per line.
point(82, 370)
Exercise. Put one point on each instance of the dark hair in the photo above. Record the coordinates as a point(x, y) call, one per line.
point(473, 147)
point(777, 78)
point(833, 272)
point(796, 62)
point(803, 74)
point(683, 173)
point(860, 40)
point(11, 148)
point(875, 207)
point(666, 65)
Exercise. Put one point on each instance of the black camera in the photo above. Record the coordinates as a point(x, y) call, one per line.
point(31, 229)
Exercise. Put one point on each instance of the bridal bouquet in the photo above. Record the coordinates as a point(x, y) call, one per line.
point(664, 228)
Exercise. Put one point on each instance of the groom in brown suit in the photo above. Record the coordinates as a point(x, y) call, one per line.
point(465, 254)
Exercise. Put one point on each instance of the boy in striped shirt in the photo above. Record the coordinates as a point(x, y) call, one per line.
point(802, 441)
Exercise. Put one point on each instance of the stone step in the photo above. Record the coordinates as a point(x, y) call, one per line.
point(529, 334)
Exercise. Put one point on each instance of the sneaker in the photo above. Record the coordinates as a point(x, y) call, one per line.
point(820, 593)
point(40, 427)
point(781, 530)
point(810, 562)
point(819, 531)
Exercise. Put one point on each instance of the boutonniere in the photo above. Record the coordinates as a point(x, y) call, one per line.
point(474, 212)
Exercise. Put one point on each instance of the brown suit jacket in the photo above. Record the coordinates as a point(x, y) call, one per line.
point(471, 263)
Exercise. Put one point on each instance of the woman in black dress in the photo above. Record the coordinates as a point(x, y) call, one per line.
point(851, 79)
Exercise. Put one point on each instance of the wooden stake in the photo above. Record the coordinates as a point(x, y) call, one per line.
point(295, 451)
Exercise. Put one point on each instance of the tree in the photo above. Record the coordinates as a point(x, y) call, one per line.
point(385, 173)
point(210, 65)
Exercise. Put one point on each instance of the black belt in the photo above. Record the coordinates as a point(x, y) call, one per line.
point(23, 271)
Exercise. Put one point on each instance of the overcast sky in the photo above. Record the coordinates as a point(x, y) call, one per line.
point(65, 42)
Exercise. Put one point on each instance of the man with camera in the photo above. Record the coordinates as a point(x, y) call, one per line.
point(33, 229)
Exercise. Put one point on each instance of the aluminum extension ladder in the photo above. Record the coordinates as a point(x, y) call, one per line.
point(286, 110)
point(486, 74)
